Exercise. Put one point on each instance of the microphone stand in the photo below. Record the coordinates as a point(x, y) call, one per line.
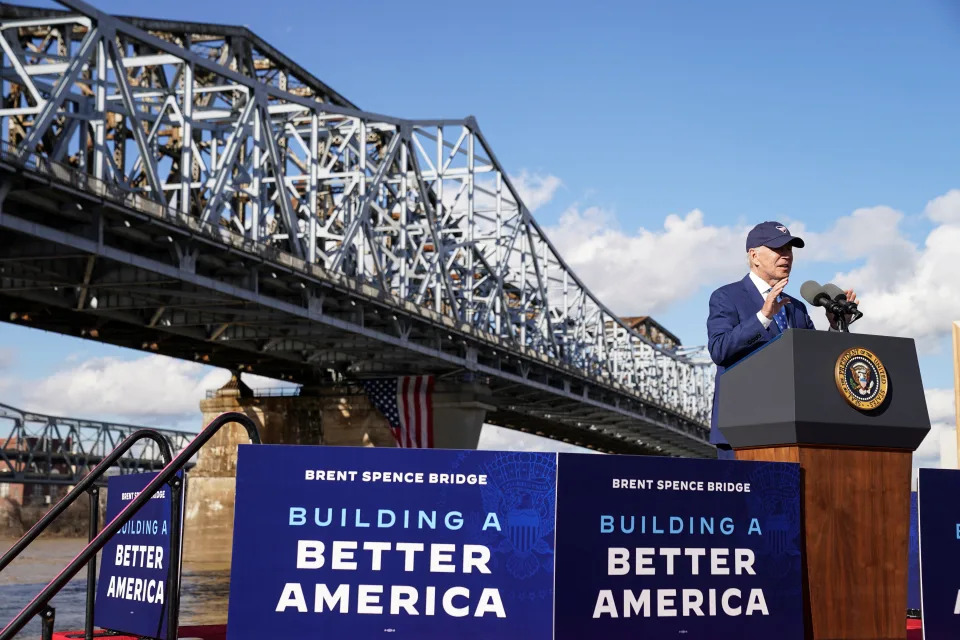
point(842, 323)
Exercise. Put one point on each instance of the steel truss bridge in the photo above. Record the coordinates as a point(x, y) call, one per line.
point(42, 449)
point(186, 189)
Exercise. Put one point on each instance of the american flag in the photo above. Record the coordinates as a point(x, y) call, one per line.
point(407, 404)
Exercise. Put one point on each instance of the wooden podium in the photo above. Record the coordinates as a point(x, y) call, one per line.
point(788, 402)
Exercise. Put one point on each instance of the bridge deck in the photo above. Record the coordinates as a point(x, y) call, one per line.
point(242, 308)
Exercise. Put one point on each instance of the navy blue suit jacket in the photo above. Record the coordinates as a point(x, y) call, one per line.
point(733, 330)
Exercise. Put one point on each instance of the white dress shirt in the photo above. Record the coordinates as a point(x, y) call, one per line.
point(764, 289)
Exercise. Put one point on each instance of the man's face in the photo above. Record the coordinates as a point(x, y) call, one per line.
point(773, 264)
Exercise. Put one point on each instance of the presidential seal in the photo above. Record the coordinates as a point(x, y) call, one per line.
point(861, 378)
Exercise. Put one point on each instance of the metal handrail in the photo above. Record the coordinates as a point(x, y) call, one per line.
point(82, 486)
point(86, 484)
point(165, 475)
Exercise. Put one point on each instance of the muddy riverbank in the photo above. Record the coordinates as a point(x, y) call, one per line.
point(16, 519)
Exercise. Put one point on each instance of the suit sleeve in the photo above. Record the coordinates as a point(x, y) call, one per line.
point(729, 338)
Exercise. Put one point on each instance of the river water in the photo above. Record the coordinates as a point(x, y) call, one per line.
point(204, 588)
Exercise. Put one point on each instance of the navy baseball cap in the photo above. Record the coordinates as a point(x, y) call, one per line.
point(771, 234)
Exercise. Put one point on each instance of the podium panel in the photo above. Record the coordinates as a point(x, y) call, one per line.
point(786, 392)
point(856, 538)
point(850, 409)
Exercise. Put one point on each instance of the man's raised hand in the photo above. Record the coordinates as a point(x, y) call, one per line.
point(770, 306)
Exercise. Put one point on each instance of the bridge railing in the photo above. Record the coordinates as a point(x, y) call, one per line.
point(264, 392)
point(38, 448)
point(420, 210)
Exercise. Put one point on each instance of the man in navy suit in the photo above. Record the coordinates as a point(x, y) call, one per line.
point(747, 314)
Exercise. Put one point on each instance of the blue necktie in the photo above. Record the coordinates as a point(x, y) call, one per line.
point(781, 316)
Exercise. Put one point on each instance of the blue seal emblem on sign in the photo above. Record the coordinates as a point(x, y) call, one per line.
point(520, 491)
point(861, 378)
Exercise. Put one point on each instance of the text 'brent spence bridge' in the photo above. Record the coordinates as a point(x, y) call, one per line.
point(187, 189)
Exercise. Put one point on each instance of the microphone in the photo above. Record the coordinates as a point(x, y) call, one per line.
point(836, 293)
point(813, 293)
point(839, 296)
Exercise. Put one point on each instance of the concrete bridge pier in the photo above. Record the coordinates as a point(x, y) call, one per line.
point(325, 415)
point(459, 411)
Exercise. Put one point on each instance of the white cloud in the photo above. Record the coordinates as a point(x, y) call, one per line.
point(948, 449)
point(147, 386)
point(143, 389)
point(940, 407)
point(908, 290)
point(866, 232)
point(648, 270)
point(493, 438)
point(535, 189)
point(945, 208)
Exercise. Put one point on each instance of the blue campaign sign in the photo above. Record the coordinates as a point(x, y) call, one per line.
point(913, 558)
point(939, 517)
point(396, 543)
point(677, 548)
point(131, 588)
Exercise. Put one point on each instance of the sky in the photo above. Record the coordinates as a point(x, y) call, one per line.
point(647, 138)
